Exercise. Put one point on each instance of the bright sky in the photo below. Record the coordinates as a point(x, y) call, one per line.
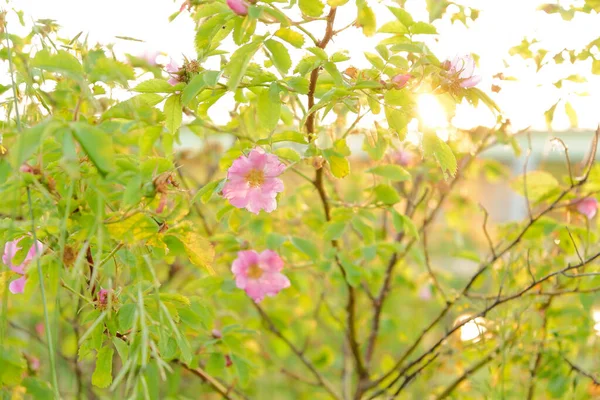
point(501, 25)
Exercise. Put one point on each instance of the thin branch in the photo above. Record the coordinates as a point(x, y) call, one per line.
point(432, 275)
point(539, 353)
point(470, 371)
point(485, 231)
point(210, 380)
point(581, 371)
point(321, 379)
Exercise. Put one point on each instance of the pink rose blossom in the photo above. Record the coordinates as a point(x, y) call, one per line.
point(173, 68)
point(252, 181)
point(150, 57)
point(34, 363)
point(238, 6)
point(401, 80)
point(425, 292)
point(259, 274)
point(463, 67)
point(588, 207)
point(10, 250)
point(103, 296)
point(403, 157)
point(18, 285)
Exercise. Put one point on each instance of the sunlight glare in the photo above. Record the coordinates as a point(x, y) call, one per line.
point(472, 330)
point(431, 112)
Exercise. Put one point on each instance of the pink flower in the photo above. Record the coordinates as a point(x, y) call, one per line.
point(425, 292)
point(259, 274)
point(10, 250)
point(172, 69)
point(18, 285)
point(26, 168)
point(403, 157)
point(238, 6)
point(401, 80)
point(252, 181)
point(588, 207)
point(103, 297)
point(150, 57)
point(463, 68)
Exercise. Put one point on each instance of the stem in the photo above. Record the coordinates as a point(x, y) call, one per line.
point(45, 304)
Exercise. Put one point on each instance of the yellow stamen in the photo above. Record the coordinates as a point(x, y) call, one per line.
point(255, 178)
point(254, 271)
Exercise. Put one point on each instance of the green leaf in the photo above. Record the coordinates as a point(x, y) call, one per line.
point(366, 18)
point(402, 15)
point(549, 115)
point(292, 37)
point(423, 28)
point(596, 67)
point(236, 68)
point(572, 114)
point(102, 376)
point(397, 120)
point(334, 230)
point(192, 89)
point(339, 165)
point(38, 389)
point(312, 8)
point(319, 52)
point(395, 27)
point(30, 140)
point(173, 113)
point(279, 55)
point(386, 194)
point(539, 184)
point(207, 191)
point(392, 172)
point(269, 107)
point(62, 62)
point(336, 3)
point(126, 316)
point(434, 146)
point(155, 86)
point(13, 365)
point(97, 144)
point(404, 224)
point(307, 247)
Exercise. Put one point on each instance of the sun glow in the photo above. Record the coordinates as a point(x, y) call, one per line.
point(472, 330)
point(431, 112)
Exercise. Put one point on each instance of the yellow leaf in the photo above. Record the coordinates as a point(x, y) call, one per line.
point(133, 229)
point(200, 251)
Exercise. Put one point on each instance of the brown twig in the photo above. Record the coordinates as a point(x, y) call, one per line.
point(320, 379)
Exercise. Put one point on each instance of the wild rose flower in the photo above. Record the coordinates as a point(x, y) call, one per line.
point(588, 207)
point(150, 57)
point(401, 80)
point(403, 157)
point(10, 250)
point(463, 68)
point(238, 6)
point(172, 69)
point(259, 274)
point(252, 181)
point(425, 292)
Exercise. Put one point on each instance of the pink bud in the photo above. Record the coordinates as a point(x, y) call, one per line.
point(216, 334)
point(28, 169)
point(588, 207)
point(238, 6)
point(425, 292)
point(103, 297)
point(401, 80)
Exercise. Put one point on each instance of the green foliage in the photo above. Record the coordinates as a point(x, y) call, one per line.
point(390, 256)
